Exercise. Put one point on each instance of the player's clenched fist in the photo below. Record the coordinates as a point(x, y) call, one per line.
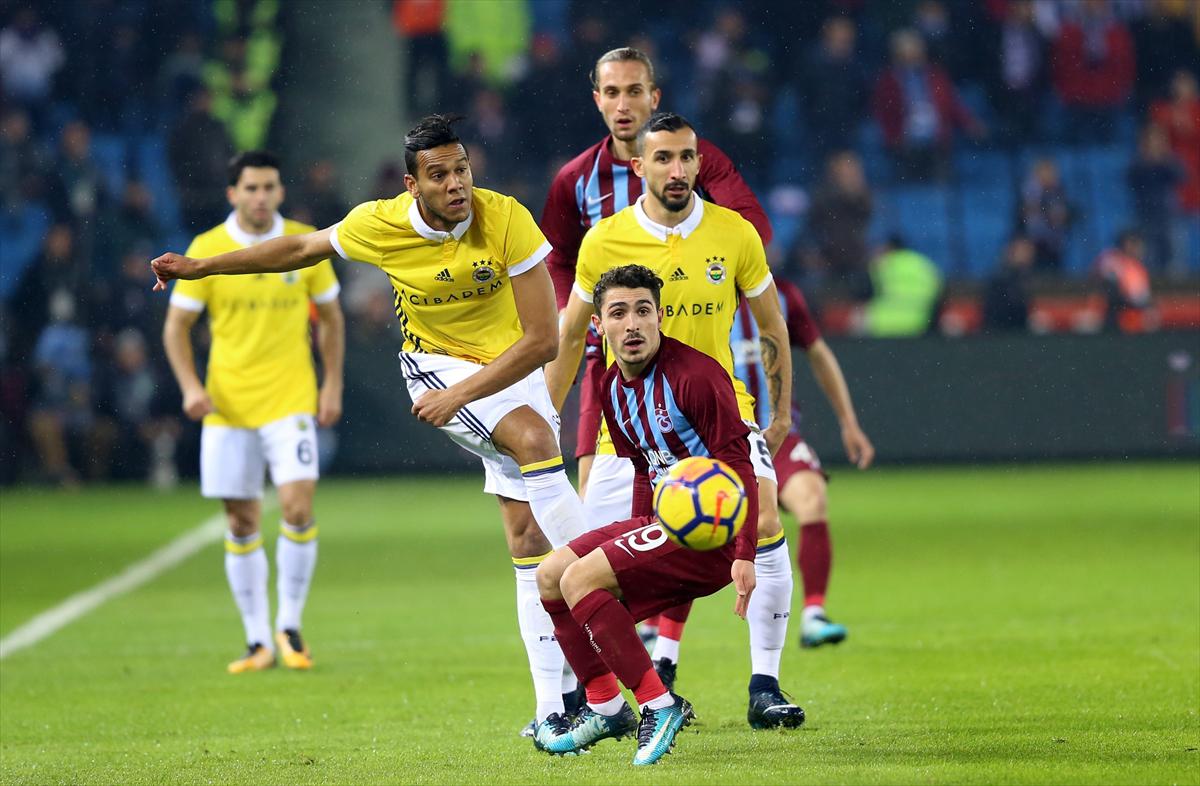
point(196, 403)
point(172, 266)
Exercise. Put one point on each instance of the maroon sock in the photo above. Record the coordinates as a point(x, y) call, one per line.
point(610, 628)
point(815, 559)
point(650, 687)
point(585, 661)
point(672, 620)
point(602, 688)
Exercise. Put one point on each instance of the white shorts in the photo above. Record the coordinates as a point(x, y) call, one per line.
point(609, 496)
point(233, 460)
point(472, 426)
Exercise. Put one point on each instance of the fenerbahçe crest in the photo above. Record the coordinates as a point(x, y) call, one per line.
point(715, 270)
point(484, 271)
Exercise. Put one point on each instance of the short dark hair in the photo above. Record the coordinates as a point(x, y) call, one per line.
point(661, 121)
point(432, 131)
point(622, 54)
point(628, 277)
point(252, 158)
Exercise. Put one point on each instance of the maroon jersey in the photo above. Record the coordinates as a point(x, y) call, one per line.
point(594, 185)
point(682, 404)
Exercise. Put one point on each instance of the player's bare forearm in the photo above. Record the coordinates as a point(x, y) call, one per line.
point(561, 373)
point(290, 252)
point(776, 361)
point(177, 343)
point(828, 374)
point(331, 344)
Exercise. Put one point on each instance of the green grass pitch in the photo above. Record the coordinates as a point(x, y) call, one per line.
point(1023, 624)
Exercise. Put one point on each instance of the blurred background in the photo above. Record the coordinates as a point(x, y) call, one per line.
point(992, 205)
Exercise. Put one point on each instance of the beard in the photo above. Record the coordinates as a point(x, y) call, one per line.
point(674, 204)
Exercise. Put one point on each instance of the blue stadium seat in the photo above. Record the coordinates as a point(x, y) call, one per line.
point(920, 214)
point(108, 151)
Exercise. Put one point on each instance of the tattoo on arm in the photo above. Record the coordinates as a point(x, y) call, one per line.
point(771, 365)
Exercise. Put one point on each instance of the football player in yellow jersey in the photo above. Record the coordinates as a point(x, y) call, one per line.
point(477, 312)
point(706, 255)
point(258, 402)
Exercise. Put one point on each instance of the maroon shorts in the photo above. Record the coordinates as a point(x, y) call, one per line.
point(590, 413)
point(653, 573)
point(795, 456)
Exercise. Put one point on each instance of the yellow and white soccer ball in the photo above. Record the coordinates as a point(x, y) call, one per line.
point(701, 503)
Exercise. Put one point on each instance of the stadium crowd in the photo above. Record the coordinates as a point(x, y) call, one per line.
point(901, 149)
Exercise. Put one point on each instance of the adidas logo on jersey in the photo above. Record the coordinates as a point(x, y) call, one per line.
point(678, 275)
point(444, 275)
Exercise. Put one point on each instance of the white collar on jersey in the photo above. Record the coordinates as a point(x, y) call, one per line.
point(683, 229)
point(429, 233)
point(244, 238)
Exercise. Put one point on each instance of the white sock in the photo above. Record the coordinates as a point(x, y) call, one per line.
point(658, 702)
point(295, 559)
point(570, 683)
point(666, 648)
point(554, 502)
point(537, 631)
point(610, 707)
point(246, 568)
point(770, 606)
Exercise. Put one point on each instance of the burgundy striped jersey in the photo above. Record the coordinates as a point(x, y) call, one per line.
point(682, 404)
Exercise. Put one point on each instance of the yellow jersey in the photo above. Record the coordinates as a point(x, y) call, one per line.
point(704, 263)
point(260, 366)
point(452, 288)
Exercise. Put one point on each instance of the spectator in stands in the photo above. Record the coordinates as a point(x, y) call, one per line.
point(907, 288)
point(1018, 73)
point(318, 195)
point(918, 110)
point(1129, 305)
point(22, 157)
point(118, 101)
point(1006, 296)
point(133, 224)
point(1046, 214)
point(1154, 177)
point(1094, 71)
point(135, 399)
point(58, 268)
point(834, 88)
point(420, 24)
point(1180, 118)
point(489, 126)
point(78, 189)
point(1164, 43)
point(62, 406)
point(122, 299)
point(179, 73)
point(199, 150)
point(838, 219)
point(30, 55)
point(549, 79)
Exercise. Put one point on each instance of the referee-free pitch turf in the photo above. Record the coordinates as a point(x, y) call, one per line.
point(1010, 624)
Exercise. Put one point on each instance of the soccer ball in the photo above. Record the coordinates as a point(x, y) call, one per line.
point(701, 503)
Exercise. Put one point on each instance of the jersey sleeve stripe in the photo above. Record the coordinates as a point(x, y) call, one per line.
point(328, 296)
point(761, 287)
point(529, 263)
point(186, 303)
point(585, 296)
point(337, 244)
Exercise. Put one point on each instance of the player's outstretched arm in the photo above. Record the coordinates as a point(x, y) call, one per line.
point(533, 294)
point(572, 332)
point(776, 361)
point(290, 252)
point(829, 376)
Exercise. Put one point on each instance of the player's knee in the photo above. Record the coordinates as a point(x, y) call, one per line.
point(549, 574)
point(806, 497)
point(297, 513)
point(243, 522)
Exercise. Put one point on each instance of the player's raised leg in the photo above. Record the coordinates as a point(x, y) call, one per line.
point(770, 607)
point(804, 496)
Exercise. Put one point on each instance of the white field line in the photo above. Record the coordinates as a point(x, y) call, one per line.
point(49, 622)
